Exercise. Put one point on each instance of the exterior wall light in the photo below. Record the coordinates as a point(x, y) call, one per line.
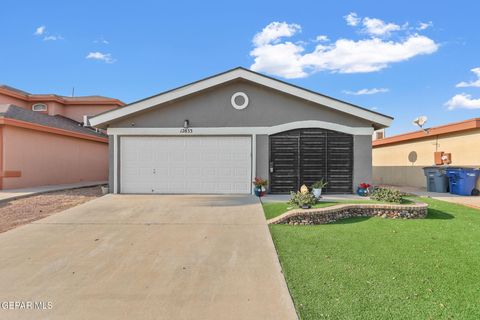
point(186, 123)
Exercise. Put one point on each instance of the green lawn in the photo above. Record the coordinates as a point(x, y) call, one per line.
point(374, 268)
point(273, 209)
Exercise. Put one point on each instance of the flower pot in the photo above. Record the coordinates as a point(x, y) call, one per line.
point(363, 192)
point(259, 191)
point(317, 193)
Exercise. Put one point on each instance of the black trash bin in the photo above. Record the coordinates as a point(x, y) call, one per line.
point(437, 181)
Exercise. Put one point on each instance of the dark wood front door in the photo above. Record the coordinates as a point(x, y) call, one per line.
point(304, 156)
point(284, 163)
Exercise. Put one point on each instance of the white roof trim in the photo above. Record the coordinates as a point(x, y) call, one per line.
point(242, 74)
point(242, 130)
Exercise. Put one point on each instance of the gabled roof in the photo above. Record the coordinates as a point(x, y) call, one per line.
point(380, 120)
point(27, 96)
point(11, 111)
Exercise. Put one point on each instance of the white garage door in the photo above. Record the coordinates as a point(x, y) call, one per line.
point(208, 164)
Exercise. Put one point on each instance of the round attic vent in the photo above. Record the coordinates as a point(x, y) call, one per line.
point(239, 100)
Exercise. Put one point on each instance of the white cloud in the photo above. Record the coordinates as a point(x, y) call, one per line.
point(39, 31)
point(274, 31)
point(372, 26)
point(288, 60)
point(53, 38)
point(424, 25)
point(101, 40)
point(377, 27)
point(367, 91)
point(475, 83)
point(349, 56)
point(105, 57)
point(276, 55)
point(463, 101)
point(322, 38)
point(352, 19)
point(283, 59)
point(42, 31)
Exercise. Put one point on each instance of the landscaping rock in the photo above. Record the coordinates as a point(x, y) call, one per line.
point(344, 211)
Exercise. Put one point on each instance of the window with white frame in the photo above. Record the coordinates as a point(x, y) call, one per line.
point(39, 107)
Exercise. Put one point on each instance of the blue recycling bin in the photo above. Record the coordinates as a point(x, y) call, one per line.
point(462, 181)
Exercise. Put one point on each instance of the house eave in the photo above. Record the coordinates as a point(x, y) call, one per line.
point(378, 120)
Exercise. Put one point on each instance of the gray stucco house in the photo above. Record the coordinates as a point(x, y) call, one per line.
point(215, 135)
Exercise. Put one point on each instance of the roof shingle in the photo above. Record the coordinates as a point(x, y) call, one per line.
point(13, 112)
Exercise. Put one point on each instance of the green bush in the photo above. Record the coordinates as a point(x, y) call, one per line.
point(319, 184)
point(299, 199)
point(387, 195)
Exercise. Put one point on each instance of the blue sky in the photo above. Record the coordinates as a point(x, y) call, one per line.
point(411, 57)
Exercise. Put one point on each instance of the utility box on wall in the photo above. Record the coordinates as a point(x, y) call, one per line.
point(441, 158)
point(438, 157)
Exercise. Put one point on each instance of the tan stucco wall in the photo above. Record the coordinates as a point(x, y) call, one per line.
point(392, 165)
point(46, 159)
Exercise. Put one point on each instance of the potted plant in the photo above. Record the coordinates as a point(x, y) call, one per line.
point(302, 199)
point(317, 188)
point(363, 189)
point(259, 186)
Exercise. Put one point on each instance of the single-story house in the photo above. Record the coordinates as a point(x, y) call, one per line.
point(399, 160)
point(44, 140)
point(215, 135)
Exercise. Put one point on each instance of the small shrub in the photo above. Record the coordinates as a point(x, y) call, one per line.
point(319, 184)
point(300, 199)
point(387, 195)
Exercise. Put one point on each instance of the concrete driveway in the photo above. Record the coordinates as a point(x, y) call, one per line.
point(146, 257)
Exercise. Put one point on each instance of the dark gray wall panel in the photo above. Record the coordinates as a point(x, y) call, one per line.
point(212, 108)
point(262, 156)
point(362, 166)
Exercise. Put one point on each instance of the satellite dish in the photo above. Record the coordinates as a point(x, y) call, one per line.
point(420, 121)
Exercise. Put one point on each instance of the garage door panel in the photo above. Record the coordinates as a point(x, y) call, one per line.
point(160, 172)
point(160, 156)
point(211, 156)
point(156, 185)
point(131, 156)
point(176, 156)
point(192, 156)
point(224, 172)
point(194, 172)
point(242, 187)
point(136, 187)
point(241, 172)
point(185, 164)
point(176, 173)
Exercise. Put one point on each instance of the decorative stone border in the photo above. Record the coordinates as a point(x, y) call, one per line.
point(344, 211)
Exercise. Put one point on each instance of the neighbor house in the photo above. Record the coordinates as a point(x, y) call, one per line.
point(215, 135)
point(45, 139)
point(399, 160)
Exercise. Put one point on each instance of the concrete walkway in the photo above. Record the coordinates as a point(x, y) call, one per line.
point(20, 193)
point(147, 257)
